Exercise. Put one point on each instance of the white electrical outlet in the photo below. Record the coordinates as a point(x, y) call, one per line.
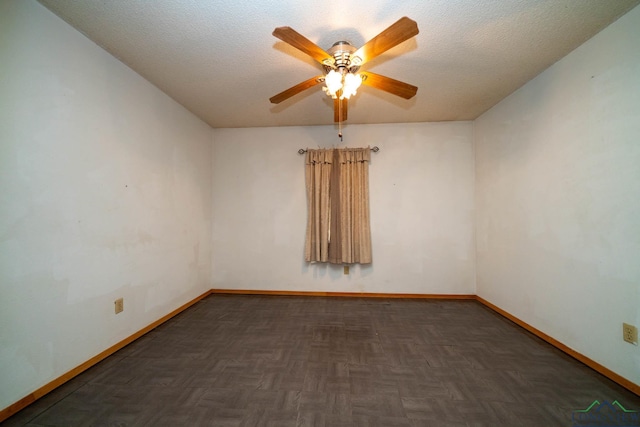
point(630, 333)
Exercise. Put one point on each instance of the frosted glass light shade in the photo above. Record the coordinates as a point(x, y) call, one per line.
point(333, 80)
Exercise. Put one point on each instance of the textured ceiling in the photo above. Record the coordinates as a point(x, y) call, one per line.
point(219, 59)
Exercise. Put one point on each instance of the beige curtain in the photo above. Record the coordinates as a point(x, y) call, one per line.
point(318, 175)
point(355, 233)
point(338, 228)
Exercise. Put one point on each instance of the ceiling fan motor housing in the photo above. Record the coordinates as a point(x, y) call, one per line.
point(342, 62)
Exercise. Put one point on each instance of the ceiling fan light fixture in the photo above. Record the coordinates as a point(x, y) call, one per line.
point(344, 84)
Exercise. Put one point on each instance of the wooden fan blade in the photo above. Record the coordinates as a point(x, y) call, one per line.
point(395, 87)
point(294, 90)
point(402, 30)
point(340, 107)
point(300, 42)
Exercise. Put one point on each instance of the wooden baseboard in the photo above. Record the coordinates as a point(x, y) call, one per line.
point(37, 394)
point(634, 388)
point(342, 294)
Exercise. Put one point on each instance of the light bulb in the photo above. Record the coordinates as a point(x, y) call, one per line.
point(333, 80)
point(351, 84)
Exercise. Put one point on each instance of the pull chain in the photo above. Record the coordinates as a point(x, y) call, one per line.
point(340, 118)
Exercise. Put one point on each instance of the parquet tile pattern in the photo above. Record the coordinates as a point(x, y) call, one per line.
point(235, 360)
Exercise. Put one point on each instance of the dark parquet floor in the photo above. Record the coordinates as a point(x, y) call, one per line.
point(315, 361)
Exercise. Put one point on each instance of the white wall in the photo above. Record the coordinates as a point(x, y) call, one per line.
point(558, 199)
point(421, 189)
point(104, 193)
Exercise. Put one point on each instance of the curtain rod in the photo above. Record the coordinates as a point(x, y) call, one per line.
point(375, 149)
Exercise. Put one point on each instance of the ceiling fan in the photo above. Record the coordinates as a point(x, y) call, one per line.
point(342, 62)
